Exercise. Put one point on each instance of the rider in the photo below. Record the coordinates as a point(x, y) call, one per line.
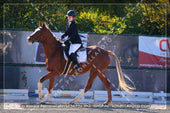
point(73, 43)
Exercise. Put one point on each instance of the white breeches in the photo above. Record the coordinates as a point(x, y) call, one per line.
point(73, 48)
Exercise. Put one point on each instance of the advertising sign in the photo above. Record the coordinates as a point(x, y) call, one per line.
point(154, 52)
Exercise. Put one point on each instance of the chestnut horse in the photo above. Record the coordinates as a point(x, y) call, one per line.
point(97, 62)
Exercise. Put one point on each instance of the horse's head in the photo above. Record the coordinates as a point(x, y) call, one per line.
point(38, 34)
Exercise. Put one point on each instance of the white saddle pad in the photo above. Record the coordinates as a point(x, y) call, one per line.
point(82, 56)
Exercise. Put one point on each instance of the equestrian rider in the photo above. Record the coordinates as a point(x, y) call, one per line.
point(73, 43)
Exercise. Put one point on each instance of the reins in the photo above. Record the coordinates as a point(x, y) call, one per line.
point(43, 31)
point(58, 41)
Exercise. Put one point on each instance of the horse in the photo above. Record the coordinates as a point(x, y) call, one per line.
point(55, 64)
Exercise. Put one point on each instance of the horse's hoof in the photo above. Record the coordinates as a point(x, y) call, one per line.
point(107, 103)
point(71, 103)
point(43, 103)
point(41, 97)
point(47, 101)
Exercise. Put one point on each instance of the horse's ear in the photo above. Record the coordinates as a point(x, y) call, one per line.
point(40, 24)
point(43, 25)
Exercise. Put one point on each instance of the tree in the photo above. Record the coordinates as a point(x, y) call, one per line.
point(145, 18)
point(148, 19)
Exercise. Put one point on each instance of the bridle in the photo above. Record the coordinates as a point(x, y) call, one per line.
point(42, 33)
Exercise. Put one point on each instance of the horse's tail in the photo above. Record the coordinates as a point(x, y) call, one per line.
point(122, 83)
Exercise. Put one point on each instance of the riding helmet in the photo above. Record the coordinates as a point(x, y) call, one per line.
point(71, 13)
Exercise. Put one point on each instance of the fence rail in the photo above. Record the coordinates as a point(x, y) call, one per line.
point(109, 67)
point(90, 97)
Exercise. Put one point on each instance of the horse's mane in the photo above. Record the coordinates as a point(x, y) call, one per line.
point(58, 41)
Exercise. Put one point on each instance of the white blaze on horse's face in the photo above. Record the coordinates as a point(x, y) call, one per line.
point(36, 30)
point(32, 38)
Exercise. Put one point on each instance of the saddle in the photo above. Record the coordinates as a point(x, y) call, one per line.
point(81, 54)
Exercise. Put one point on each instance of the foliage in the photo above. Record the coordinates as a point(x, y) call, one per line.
point(147, 19)
point(144, 18)
point(100, 23)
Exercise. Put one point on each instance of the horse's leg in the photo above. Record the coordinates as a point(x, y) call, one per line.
point(50, 87)
point(108, 87)
point(42, 79)
point(93, 74)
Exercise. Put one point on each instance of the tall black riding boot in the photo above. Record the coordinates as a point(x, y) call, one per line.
point(74, 59)
point(66, 49)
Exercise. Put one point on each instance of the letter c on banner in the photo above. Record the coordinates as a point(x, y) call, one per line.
point(161, 44)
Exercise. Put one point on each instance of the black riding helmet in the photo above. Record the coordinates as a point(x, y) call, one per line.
point(71, 13)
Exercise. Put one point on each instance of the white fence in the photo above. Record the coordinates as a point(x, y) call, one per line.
point(122, 96)
point(14, 94)
point(101, 96)
point(90, 96)
point(65, 96)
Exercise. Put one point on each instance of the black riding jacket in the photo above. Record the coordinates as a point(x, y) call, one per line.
point(72, 33)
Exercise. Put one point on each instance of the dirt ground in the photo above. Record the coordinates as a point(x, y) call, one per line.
point(14, 107)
